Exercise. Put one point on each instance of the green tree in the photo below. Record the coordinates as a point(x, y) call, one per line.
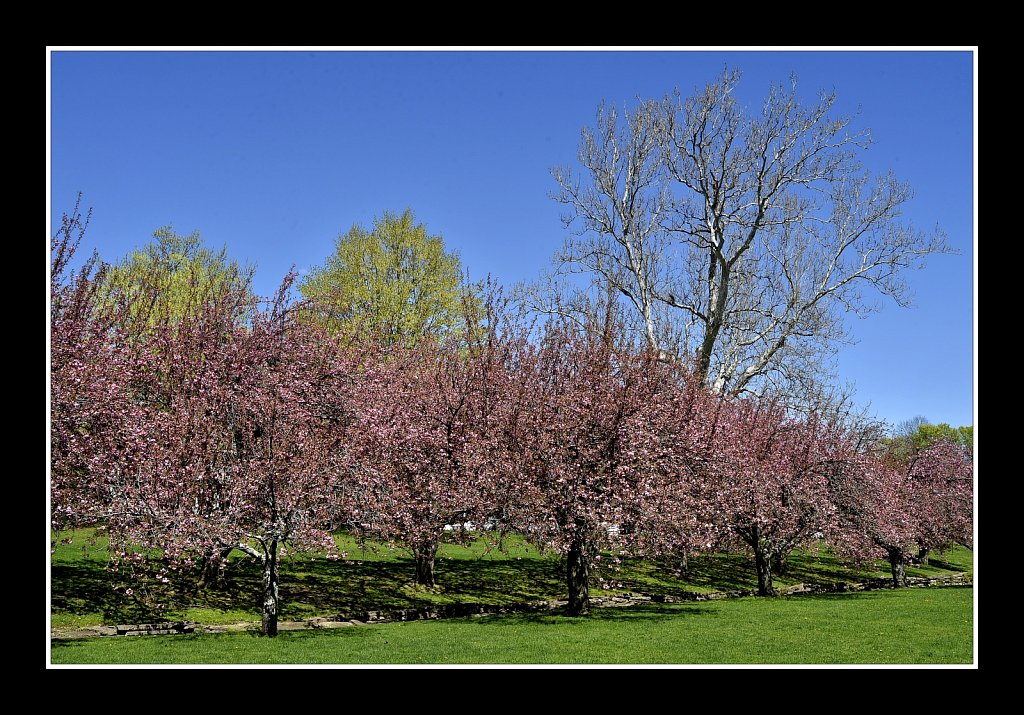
point(928, 434)
point(178, 275)
point(915, 435)
point(395, 282)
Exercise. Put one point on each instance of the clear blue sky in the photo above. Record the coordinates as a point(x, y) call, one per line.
point(273, 154)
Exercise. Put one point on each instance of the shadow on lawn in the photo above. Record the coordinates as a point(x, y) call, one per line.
point(948, 566)
point(722, 572)
point(88, 588)
point(646, 612)
point(340, 587)
point(321, 587)
point(310, 587)
point(820, 569)
point(203, 640)
point(734, 572)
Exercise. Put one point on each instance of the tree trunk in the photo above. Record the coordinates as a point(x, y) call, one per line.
point(718, 299)
point(271, 597)
point(577, 578)
point(899, 572)
point(780, 562)
point(763, 564)
point(679, 563)
point(214, 566)
point(424, 554)
point(922, 556)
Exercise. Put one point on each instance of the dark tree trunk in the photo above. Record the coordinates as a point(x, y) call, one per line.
point(214, 568)
point(763, 564)
point(762, 560)
point(271, 597)
point(780, 562)
point(899, 570)
point(680, 563)
point(425, 554)
point(922, 556)
point(577, 579)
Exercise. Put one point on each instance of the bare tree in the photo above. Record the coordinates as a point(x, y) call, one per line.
point(743, 238)
point(620, 208)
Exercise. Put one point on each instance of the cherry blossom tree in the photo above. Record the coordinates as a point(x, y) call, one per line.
point(874, 502)
point(591, 451)
point(943, 493)
point(88, 400)
point(256, 446)
point(890, 508)
point(939, 457)
point(766, 484)
point(426, 438)
point(673, 522)
point(216, 431)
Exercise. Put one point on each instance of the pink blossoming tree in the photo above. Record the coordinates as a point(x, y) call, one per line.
point(876, 517)
point(766, 483)
point(942, 478)
point(591, 449)
point(218, 430)
point(427, 437)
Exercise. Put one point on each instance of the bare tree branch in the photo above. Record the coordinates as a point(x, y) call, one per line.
point(744, 237)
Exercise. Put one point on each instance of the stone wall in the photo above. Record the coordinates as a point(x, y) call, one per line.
point(463, 610)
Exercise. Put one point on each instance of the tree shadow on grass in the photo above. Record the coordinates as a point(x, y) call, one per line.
point(735, 572)
point(309, 587)
point(808, 567)
point(351, 632)
point(322, 587)
point(88, 588)
point(337, 587)
point(81, 589)
point(844, 597)
point(503, 581)
point(63, 650)
point(948, 566)
point(617, 614)
point(722, 572)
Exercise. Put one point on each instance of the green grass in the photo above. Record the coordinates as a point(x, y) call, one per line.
point(381, 577)
point(374, 578)
point(910, 626)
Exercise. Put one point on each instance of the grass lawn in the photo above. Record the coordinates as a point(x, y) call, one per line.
point(910, 626)
point(377, 578)
point(381, 578)
point(905, 626)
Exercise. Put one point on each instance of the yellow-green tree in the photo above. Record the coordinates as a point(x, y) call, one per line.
point(927, 435)
point(171, 277)
point(394, 282)
point(913, 436)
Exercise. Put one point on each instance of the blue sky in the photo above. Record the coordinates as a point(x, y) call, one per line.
point(273, 154)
